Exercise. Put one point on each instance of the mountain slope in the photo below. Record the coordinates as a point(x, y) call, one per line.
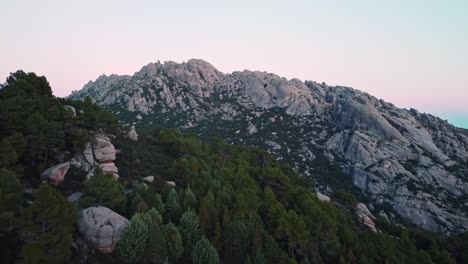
point(406, 162)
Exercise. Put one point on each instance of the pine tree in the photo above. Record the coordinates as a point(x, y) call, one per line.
point(190, 201)
point(174, 244)
point(153, 217)
point(132, 246)
point(10, 196)
point(204, 253)
point(190, 229)
point(48, 226)
point(173, 204)
point(156, 243)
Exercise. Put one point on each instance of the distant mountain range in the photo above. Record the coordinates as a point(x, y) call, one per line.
point(410, 165)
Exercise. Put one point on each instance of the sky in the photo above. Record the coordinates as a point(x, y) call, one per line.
point(412, 53)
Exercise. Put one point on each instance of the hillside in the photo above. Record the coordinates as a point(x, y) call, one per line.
point(76, 187)
point(412, 167)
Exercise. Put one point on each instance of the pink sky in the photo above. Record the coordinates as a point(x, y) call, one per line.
point(411, 54)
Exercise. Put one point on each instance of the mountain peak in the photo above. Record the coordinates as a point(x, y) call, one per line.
point(413, 162)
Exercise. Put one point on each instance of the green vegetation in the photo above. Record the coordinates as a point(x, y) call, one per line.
point(103, 190)
point(47, 227)
point(231, 204)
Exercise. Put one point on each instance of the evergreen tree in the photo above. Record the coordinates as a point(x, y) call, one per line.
point(10, 196)
point(132, 246)
point(156, 244)
point(173, 204)
point(8, 155)
point(190, 201)
point(103, 190)
point(190, 229)
point(138, 205)
point(204, 253)
point(48, 226)
point(259, 258)
point(153, 217)
point(174, 244)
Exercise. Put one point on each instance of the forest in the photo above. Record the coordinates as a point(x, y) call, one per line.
point(228, 203)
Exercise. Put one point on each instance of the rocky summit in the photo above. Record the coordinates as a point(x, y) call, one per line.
point(408, 164)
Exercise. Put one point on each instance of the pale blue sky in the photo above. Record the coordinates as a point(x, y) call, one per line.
point(411, 53)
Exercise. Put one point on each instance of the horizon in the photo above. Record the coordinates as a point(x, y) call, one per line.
point(413, 55)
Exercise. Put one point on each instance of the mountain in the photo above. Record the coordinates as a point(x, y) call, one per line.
point(77, 187)
point(409, 165)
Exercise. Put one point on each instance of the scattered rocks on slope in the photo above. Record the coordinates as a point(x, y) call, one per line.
point(101, 227)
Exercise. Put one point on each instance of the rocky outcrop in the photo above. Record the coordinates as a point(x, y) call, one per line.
point(414, 162)
point(365, 216)
point(56, 174)
point(103, 149)
point(100, 154)
point(101, 227)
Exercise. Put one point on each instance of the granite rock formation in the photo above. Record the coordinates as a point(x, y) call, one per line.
point(411, 162)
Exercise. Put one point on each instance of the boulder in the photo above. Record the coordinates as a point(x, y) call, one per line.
point(132, 134)
point(322, 197)
point(171, 183)
point(101, 227)
point(109, 168)
point(149, 179)
point(56, 174)
point(103, 149)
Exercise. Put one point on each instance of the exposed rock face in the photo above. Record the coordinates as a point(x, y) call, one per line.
point(56, 174)
point(101, 227)
point(414, 162)
point(365, 216)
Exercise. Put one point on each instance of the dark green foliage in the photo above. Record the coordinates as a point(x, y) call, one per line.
point(190, 201)
point(10, 196)
point(156, 244)
point(174, 243)
point(204, 253)
point(47, 226)
point(35, 127)
point(189, 226)
point(173, 205)
point(132, 246)
point(103, 190)
point(248, 207)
